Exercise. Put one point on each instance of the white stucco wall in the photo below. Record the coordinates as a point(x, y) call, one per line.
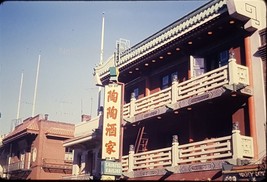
point(259, 98)
point(87, 127)
point(258, 81)
point(255, 12)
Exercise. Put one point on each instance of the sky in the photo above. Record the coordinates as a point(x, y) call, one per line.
point(67, 36)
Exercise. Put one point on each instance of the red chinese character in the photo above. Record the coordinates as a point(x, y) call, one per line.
point(111, 129)
point(112, 96)
point(109, 147)
point(112, 112)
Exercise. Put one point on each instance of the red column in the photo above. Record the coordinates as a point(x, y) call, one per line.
point(147, 87)
point(251, 108)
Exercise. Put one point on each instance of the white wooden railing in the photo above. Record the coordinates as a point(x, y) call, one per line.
point(232, 73)
point(208, 81)
point(218, 148)
point(146, 160)
point(228, 147)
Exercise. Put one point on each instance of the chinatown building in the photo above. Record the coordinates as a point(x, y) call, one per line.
point(194, 97)
point(33, 150)
point(86, 149)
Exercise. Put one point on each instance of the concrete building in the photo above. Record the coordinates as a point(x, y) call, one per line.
point(86, 146)
point(34, 150)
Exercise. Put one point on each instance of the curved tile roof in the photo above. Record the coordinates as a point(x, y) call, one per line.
point(29, 126)
point(177, 29)
point(59, 132)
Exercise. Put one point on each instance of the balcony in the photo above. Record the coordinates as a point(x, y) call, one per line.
point(17, 166)
point(196, 156)
point(56, 165)
point(231, 76)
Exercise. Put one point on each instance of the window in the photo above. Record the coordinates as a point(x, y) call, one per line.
point(136, 93)
point(263, 37)
point(165, 82)
point(223, 58)
point(68, 150)
point(197, 66)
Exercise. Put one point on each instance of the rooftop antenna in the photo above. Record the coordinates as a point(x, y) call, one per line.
point(102, 39)
point(81, 106)
point(19, 101)
point(36, 84)
point(91, 105)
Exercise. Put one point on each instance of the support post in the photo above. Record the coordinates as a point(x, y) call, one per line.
point(232, 70)
point(174, 89)
point(175, 151)
point(75, 167)
point(131, 158)
point(236, 142)
point(83, 162)
point(132, 105)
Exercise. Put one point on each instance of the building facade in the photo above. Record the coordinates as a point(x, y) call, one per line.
point(86, 147)
point(194, 97)
point(34, 150)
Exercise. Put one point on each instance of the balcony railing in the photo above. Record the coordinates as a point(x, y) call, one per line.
point(68, 156)
point(231, 147)
point(20, 165)
point(56, 163)
point(231, 74)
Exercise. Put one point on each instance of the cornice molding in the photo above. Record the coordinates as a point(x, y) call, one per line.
point(254, 11)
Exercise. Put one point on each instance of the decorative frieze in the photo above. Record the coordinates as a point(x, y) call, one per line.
point(186, 168)
point(198, 98)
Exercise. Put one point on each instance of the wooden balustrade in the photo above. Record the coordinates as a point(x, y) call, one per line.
point(203, 83)
point(228, 74)
point(222, 148)
point(205, 150)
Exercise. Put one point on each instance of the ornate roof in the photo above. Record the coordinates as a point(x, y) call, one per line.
point(251, 13)
point(175, 30)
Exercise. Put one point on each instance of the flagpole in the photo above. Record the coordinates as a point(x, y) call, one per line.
point(36, 84)
point(101, 61)
point(102, 40)
point(19, 101)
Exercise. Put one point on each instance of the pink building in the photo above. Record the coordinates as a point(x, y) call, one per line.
point(34, 149)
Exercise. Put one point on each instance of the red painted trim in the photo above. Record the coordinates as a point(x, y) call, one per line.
point(251, 108)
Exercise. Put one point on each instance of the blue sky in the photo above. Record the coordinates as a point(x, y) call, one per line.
point(67, 35)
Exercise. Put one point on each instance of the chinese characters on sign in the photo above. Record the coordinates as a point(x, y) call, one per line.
point(112, 122)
